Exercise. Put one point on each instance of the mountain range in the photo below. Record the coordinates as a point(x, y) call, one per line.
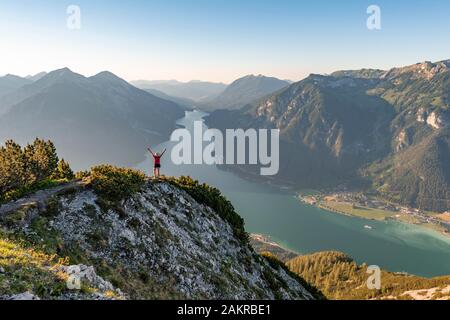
point(91, 119)
point(195, 90)
point(37, 76)
point(243, 91)
point(103, 118)
point(384, 131)
point(210, 96)
point(10, 83)
point(183, 102)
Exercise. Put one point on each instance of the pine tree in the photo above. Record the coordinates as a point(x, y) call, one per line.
point(12, 167)
point(42, 160)
point(63, 171)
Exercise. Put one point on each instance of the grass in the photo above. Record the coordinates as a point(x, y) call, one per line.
point(358, 211)
point(441, 216)
point(375, 214)
point(27, 269)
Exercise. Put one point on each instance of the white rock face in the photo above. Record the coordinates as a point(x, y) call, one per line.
point(165, 233)
point(433, 120)
point(23, 296)
point(81, 274)
point(160, 234)
point(421, 115)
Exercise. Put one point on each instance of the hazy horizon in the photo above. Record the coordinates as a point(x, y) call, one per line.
point(207, 80)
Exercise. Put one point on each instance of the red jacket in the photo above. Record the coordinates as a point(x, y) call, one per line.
point(157, 159)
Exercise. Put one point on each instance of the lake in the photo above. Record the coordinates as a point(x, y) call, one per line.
point(278, 214)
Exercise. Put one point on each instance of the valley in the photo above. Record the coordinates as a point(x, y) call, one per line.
point(212, 154)
point(372, 208)
point(373, 162)
point(277, 213)
point(382, 132)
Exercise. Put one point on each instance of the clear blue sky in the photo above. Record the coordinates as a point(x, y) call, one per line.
point(219, 40)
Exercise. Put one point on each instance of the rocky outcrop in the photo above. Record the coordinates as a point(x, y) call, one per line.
point(158, 243)
point(435, 119)
point(438, 121)
point(424, 70)
point(21, 296)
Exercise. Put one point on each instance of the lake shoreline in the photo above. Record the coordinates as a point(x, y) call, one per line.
point(272, 209)
point(399, 216)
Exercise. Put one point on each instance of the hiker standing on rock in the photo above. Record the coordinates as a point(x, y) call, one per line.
point(156, 162)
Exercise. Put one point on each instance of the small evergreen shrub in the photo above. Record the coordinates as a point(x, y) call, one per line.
point(63, 171)
point(116, 184)
point(81, 175)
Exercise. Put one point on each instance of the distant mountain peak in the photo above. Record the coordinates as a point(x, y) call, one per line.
point(256, 76)
point(110, 79)
point(106, 74)
point(425, 70)
point(361, 73)
point(37, 76)
point(245, 90)
point(193, 90)
point(62, 72)
point(11, 76)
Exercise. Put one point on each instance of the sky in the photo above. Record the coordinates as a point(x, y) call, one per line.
point(219, 40)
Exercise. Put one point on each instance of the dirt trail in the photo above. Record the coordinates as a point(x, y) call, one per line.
point(39, 198)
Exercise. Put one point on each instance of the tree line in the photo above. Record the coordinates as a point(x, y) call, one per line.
point(339, 277)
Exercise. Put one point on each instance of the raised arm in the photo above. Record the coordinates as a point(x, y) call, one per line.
point(150, 150)
point(163, 152)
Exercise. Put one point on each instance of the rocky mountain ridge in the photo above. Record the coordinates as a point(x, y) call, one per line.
point(158, 243)
point(366, 129)
point(243, 91)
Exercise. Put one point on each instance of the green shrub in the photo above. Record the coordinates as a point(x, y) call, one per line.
point(115, 183)
point(80, 175)
point(28, 169)
point(212, 197)
point(63, 171)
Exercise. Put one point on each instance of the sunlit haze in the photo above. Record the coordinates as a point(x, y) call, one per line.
point(218, 40)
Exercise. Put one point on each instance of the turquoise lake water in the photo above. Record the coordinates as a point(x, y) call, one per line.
point(278, 214)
